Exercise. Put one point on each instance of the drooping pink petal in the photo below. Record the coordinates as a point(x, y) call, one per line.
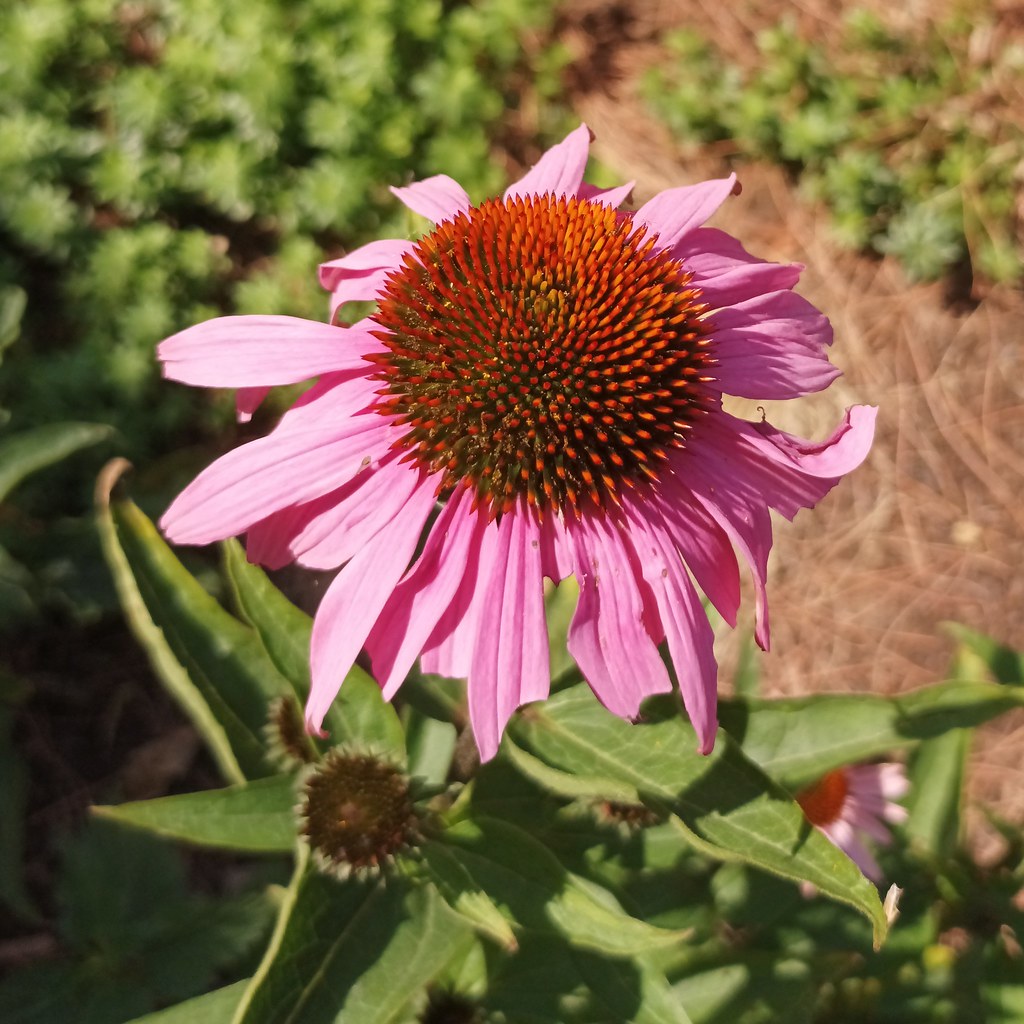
point(247, 401)
point(674, 213)
point(284, 468)
point(425, 594)
point(386, 253)
point(355, 598)
point(361, 286)
point(726, 273)
point(253, 351)
point(559, 171)
point(789, 472)
point(689, 634)
point(741, 512)
point(333, 536)
point(510, 664)
point(438, 198)
point(608, 637)
point(704, 546)
point(449, 650)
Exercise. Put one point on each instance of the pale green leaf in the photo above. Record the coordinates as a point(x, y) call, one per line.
point(25, 453)
point(257, 817)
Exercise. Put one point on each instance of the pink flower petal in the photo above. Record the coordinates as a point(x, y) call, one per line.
point(613, 197)
point(704, 546)
point(449, 650)
point(739, 510)
point(510, 663)
point(364, 286)
point(355, 598)
point(559, 171)
point(247, 401)
point(674, 213)
point(438, 198)
point(385, 254)
point(334, 535)
point(689, 634)
point(790, 472)
point(288, 466)
point(607, 636)
point(253, 351)
point(726, 273)
point(419, 601)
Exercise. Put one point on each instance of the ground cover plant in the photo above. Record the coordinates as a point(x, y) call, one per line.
point(912, 140)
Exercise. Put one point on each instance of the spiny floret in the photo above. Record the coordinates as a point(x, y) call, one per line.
point(542, 347)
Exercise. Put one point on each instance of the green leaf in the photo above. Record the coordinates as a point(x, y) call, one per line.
point(725, 804)
point(257, 817)
point(25, 453)
point(800, 739)
point(213, 1008)
point(936, 771)
point(211, 663)
point(533, 890)
point(1005, 663)
point(359, 714)
point(548, 982)
point(356, 952)
point(762, 987)
point(431, 747)
point(462, 893)
point(12, 308)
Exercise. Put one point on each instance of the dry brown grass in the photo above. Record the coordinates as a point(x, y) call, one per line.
point(931, 528)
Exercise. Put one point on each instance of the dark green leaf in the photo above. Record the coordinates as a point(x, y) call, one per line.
point(728, 807)
point(548, 982)
point(515, 872)
point(351, 953)
point(258, 817)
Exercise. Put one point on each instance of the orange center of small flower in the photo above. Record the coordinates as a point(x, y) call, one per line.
point(542, 347)
point(823, 802)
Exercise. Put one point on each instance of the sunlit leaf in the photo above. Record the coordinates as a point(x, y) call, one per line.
point(258, 817)
point(725, 803)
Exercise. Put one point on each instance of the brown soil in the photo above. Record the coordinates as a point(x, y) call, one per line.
point(931, 529)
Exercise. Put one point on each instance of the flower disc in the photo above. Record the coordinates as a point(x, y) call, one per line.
point(823, 802)
point(542, 347)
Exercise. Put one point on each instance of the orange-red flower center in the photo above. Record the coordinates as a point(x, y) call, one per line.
point(543, 347)
point(823, 802)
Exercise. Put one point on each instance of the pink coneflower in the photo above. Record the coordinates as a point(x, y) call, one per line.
point(857, 799)
point(548, 370)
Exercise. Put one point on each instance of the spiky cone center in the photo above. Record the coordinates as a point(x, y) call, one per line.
point(544, 348)
point(288, 743)
point(357, 812)
point(823, 802)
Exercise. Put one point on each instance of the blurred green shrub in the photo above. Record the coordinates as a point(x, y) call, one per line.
point(165, 160)
point(914, 143)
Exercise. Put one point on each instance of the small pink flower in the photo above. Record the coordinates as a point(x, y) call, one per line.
point(857, 799)
point(549, 370)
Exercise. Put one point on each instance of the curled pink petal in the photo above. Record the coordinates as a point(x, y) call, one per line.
point(247, 401)
point(439, 198)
